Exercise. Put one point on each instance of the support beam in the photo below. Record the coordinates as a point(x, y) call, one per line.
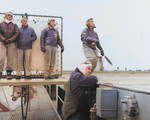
point(4, 108)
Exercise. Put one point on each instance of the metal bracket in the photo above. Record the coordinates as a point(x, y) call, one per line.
point(131, 105)
point(24, 100)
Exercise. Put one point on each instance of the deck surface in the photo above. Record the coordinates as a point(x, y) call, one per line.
point(121, 78)
point(41, 107)
point(60, 81)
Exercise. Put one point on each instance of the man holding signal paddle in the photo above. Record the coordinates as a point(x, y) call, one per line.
point(90, 43)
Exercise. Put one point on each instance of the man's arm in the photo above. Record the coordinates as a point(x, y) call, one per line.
point(42, 38)
point(87, 81)
point(85, 37)
point(33, 36)
point(99, 46)
point(2, 38)
point(60, 42)
point(15, 35)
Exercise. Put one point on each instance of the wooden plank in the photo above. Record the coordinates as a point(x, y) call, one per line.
point(4, 109)
point(5, 82)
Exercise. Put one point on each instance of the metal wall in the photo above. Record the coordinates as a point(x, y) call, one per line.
point(143, 104)
point(142, 96)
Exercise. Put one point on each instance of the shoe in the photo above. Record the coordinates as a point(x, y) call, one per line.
point(9, 77)
point(18, 77)
point(51, 77)
point(28, 77)
point(0, 75)
point(46, 77)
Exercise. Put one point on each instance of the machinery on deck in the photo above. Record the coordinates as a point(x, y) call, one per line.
point(117, 102)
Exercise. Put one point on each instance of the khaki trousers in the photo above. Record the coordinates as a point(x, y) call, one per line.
point(27, 53)
point(50, 56)
point(91, 55)
point(10, 52)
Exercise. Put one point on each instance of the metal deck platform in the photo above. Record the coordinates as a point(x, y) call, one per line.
point(41, 107)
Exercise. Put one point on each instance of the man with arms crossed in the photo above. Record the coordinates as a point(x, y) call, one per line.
point(8, 34)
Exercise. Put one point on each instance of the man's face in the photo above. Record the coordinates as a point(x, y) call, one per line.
point(52, 24)
point(88, 70)
point(24, 22)
point(91, 23)
point(9, 16)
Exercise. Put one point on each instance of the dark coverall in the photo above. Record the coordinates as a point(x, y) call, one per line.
point(76, 103)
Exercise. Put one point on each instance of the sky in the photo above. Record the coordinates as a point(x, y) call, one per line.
point(123, 27)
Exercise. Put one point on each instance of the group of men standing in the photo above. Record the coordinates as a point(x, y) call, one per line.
point(16, 45)
point(16, 41)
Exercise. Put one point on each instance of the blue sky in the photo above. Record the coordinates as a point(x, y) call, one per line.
point(123, 27)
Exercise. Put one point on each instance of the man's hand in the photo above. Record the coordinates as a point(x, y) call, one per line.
point(6, 42)
point(62, 49)
point(96, 40)
point(102, 52)
point(43, 49)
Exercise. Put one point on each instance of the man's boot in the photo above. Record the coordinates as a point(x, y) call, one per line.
point(18, 77)
point(46, 75)
point(51, 71)
point(0, 75)
point(46, 72)
point(28, 77)
point(9, 77)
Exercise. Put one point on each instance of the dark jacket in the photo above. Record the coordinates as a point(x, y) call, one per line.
point(27, 35)
point(75, 103)
point(50, 37)
point(88, 37)
point(8, 31)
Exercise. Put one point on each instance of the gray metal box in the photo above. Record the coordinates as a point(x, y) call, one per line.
point(106, 103)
